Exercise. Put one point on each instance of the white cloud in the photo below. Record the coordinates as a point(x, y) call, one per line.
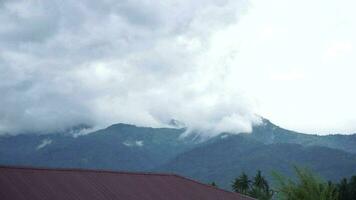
point(137, 143)
point(287, 75)
point(64, 63)
point(297, 59)
point(67, 62)
point(338, 49)
point(44, 143)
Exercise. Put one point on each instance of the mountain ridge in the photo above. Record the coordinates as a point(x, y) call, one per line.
point(220, 158)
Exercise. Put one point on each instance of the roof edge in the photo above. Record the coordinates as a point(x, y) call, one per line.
point(24, 167)
point(210, 186)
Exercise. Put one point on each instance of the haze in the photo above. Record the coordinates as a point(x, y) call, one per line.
point(214, 65)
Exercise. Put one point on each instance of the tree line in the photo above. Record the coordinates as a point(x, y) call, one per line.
point(306, 186)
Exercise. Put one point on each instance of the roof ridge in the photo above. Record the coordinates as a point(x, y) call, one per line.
point(84, 170)
point(210, 186)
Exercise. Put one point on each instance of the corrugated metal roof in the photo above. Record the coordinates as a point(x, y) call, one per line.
point(21, 183)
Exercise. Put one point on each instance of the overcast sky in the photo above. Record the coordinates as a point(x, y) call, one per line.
point(213, 64)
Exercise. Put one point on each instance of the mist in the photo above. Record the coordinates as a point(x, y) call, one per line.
point(64, 63)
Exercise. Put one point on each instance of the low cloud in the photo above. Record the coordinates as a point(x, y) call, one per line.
point(64, 63)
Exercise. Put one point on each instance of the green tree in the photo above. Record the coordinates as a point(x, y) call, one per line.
point(241, 184)
point(343, 189)
point(352, 187)
point(213, 184)
point(260, 188)
point(347, 189)
point(306, 187)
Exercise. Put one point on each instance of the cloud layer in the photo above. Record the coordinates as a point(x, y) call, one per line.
point(65, 62)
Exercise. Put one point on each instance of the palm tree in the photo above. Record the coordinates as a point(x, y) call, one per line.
point(260, 188)
point(241, 184)
point(260, 182)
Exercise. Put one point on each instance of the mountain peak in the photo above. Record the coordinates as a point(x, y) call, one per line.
point(176, 124)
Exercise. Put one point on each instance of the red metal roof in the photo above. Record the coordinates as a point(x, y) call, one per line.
point(19, 183)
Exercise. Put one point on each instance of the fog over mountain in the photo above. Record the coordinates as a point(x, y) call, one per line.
point(213, 64)
point(64, 63)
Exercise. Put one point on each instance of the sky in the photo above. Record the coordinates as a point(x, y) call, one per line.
point(216, 65)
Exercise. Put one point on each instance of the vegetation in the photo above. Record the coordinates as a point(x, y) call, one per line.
point(213, 184)
point(305, 186)
point(257, 188)
point(347, 189)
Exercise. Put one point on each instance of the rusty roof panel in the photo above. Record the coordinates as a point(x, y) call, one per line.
point(19, 183)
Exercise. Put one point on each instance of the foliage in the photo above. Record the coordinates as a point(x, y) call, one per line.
point(307, 187)
point(241, 184)
point(347, 189)
point(257, 188)
point(260, 188)
point(213, 184)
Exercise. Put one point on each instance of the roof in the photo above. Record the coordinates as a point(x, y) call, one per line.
point(22, 183)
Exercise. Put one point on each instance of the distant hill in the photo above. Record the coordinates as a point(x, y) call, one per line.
point(224, 159)
point(131, 148)
point(119, 147)
point(269, 133)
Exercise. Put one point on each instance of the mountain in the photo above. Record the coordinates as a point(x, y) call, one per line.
point(119, 147)
point(220, 158)
point(224, 159)
point(269, 133)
